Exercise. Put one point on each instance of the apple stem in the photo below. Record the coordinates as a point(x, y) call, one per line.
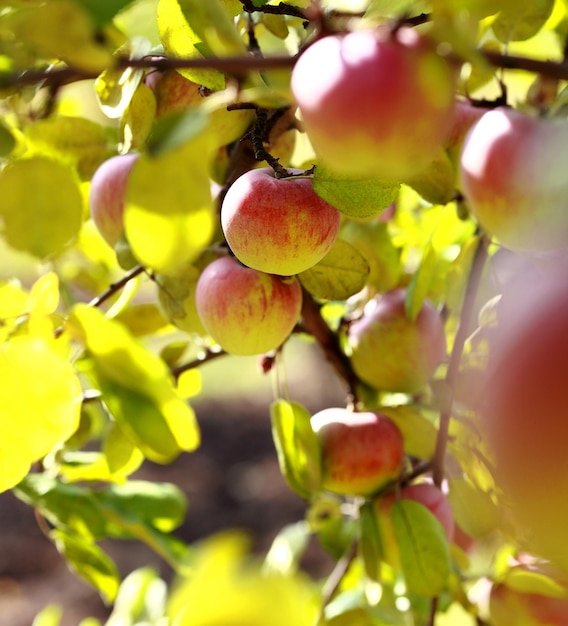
point(466, 315)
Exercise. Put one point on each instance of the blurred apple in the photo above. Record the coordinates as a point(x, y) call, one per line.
point(277, 225)
point(361, 452)
point(525, 412)
point(391, 352)
point(508, 606)
point(246, 311)
point(514, 179)
point(375, 103)
point(107, 193)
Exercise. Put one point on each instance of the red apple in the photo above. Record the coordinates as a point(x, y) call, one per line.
point(246, 311)
point(277, 225)
point(375, 103)
point(513, 176)
point(389, 351)
point(361, 452)
point(524, 412)
point(107, 193)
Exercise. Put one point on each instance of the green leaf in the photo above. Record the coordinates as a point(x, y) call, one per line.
point(79, 142)
point(161, 505)
point(354, 197)
point(522, 20)
point(423, 548)
point(421, 282)
point(474, 510)
point(121, 455)
point(50, 616)
point(418, 431)
point(69, 507)
point(436, 183)
point(42, 206)
point(297, 446)
point(169, 216)
point(179, 40)
point(174, 130)
point(370, 545)
point(342, 272)
point(7, 140)
point(102, 11)
point(138, 119)
point(89, 562)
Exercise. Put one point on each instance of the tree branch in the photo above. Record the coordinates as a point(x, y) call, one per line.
point(176, 372)
point(472, 287)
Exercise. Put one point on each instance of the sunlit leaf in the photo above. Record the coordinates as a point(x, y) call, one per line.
point(418, 431)
point(354, 197)
point(42, 206)
point(474, 510)
point(522, 20)
point(436, 183)
point(287, 549)
point(102, 11)
point(50, 616)
point(7, 140)
point(420, 284)
point(370, 545)
point(141, 598)
point(90, 562)
point(142, 319)
point(423, 547)
point(41, 397)
point(179, 40)
point(298, 448)
point(137, 121)
point(169, 216)
point(342, 272)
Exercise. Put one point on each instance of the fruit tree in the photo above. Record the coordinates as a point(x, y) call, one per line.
point(187, 181)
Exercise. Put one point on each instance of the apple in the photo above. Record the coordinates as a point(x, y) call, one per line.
point(246, 311)
point(107, 193)
point(389, 351)
point(375, 102)
point(426, 494)
point(361, 452)
point(175, 94)
point(513, 177)
point(277, 225)
point(464, 118)
point(508, 606)
point(524, 411)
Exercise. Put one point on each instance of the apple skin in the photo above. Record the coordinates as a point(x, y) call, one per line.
point(508, 606)
point(246, 311)
point(392, 353)
point(107, 193)
point(361, 452)
point(278, 226)
point(426, 494)
point(524, 413)
point(513, 175)
point(374, 103)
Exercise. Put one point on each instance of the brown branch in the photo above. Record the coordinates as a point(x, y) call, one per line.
point(452, 373)
point(282, 8)
point(315, 325)
point(176, 372)
point(117, 286)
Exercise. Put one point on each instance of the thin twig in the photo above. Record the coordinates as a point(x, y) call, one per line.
point(116, 287)
point(176, 372)
point(452, 373)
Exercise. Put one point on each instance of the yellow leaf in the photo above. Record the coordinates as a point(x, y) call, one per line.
point(40, 397)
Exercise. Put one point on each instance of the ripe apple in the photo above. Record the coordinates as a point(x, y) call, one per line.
point(513, 177)
point(375, 103)
point(246, 311)
point(107, 193)
point(277, 225)
point(426, 494)
point(389, 351)
point(174, 94)
point(524, 411)
point(361, 452)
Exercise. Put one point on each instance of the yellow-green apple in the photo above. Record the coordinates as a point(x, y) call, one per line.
point(277, 225)
point(426, 494)
point(508, 606)
point(246, 311)
point(361, 452)
point(373, 241)
point(513, 177)
point(375, 103)
point(391, 352)
point(524, 411)
point(107, 193)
